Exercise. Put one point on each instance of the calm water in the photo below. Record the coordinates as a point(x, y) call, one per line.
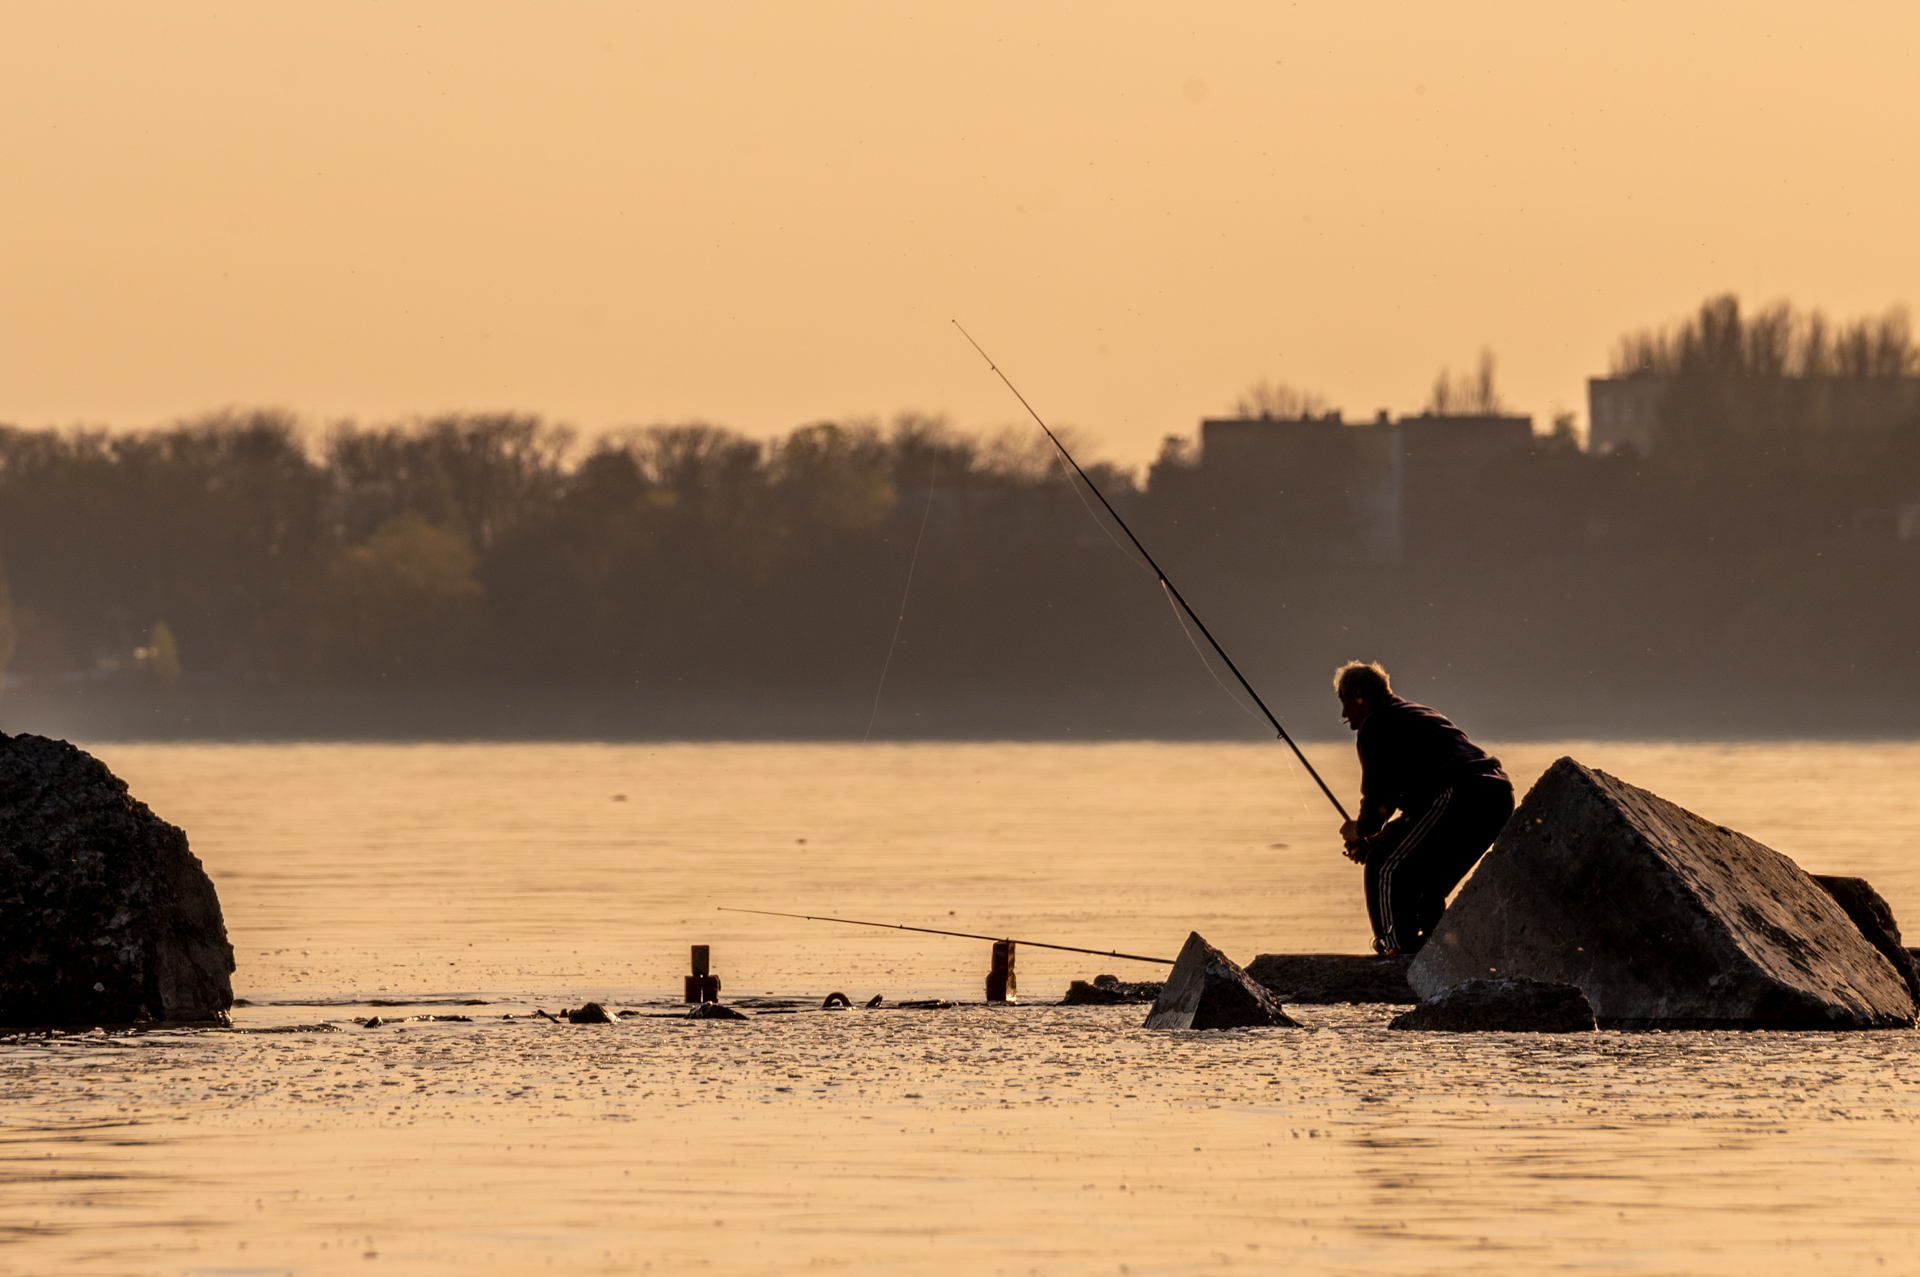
point(1017, 1140)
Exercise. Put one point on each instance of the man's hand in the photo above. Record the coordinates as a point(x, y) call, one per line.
point(1356, 845)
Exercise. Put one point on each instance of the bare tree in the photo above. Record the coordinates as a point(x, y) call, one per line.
point(1778, 341)
point(1466, 394)
point(1270, 399)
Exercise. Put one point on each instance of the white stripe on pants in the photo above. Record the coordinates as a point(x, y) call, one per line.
point(1383, 892)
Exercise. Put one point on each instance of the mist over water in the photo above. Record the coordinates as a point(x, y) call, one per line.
point(1008, 1139)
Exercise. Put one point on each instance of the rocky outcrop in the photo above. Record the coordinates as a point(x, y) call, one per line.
point(1874, 917)
point(1206, 990)
point(105, 916)
point(1501, 1006)
point(1663, 919)
point(1110, 990)
point(1316, 979)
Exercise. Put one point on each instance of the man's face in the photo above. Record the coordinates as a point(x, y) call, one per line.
point(1355, 710)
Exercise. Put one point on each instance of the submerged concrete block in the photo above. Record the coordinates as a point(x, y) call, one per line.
point(1208, 991)
point(1110, 990)
point(1501, 1006)
point(105, 916)
point(713, 1011)
point(1663, 919)
point(1314, 979)
point(591, 1013)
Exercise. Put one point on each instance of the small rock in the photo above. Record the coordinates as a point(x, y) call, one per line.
point(591, 1013)
point(1502, 1006)
point(1206, 990)
point(836, 1002)
point(875, 1000)
point(713, 1011)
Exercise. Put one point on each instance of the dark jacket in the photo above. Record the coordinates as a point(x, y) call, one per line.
point(1408, 755)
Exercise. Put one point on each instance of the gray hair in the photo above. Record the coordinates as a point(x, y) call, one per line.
point(1363, 678)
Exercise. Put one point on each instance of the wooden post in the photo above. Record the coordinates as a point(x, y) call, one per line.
point(1001, 986)
point(702, 986)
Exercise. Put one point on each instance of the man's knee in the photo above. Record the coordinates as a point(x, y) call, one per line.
point(1387, 842)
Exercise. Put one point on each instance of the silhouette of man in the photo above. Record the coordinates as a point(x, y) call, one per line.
point(1451, 796)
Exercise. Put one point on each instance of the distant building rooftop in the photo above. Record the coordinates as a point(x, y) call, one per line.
point(1325, 488)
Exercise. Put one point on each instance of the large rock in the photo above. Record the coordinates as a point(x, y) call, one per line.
point(1871, 913)
point(1663, 919)
point(1314, 979)
point(1501, 1006)
point(1208, 991)
point(105, 916)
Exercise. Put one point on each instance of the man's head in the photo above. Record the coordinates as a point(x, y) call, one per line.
point(1362, 687)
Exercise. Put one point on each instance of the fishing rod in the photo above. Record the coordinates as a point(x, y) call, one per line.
point(1165, 584)
point(964, 935)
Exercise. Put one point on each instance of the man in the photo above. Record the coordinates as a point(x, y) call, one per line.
point(1451, 796)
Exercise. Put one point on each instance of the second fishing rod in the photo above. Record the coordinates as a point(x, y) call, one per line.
point(1165, 582)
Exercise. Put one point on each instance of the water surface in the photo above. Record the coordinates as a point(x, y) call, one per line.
point(1027, 1139)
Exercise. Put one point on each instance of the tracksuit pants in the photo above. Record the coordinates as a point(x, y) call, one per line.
point(1421, 856)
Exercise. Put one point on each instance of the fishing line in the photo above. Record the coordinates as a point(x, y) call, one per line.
point(1060, 460)
point(1098, 522)
point(964, 935)
point(901, 620)
point(1171, 589)
point(1134, 559)
point(1207, 665)
point(1293, 773)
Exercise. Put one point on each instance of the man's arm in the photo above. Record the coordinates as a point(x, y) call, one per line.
point(1382, 749)
point(1359, 835)
point(1379, 794)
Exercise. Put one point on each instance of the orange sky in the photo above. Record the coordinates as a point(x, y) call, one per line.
point(765, 214)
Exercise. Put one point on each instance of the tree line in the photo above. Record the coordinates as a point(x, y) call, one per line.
point(480, 551)
point(469, 549)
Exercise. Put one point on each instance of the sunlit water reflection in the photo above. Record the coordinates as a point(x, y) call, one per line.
point(993, 1140)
